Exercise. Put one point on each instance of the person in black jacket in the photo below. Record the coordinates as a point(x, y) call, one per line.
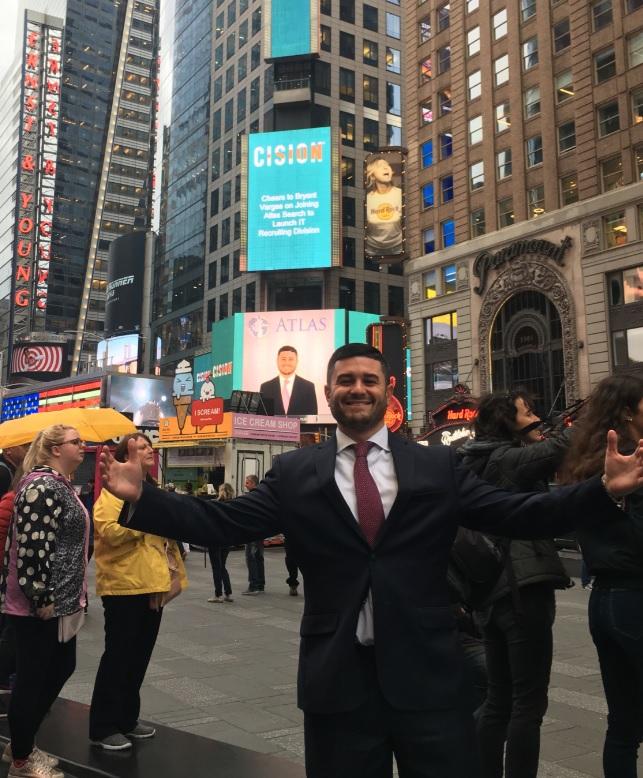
point(509, 452)
point(614, 556)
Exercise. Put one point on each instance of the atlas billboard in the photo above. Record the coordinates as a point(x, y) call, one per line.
point(290, 206)
point(291, 28)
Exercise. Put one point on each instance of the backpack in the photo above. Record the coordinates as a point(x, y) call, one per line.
point(476, 564)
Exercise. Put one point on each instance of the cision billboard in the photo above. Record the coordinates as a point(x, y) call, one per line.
point(291, 28)
point(124, 299)
point(290, 216)
point(384, 237)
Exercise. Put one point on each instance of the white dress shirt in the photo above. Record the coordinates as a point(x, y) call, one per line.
point(382, 468)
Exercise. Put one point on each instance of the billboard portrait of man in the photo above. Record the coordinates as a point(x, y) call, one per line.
point(291, 394)
point(384, 225)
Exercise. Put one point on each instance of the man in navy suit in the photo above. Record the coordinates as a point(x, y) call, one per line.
point(372, 517)
point(292, 395)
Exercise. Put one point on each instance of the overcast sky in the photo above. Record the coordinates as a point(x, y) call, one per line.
point(7, 32)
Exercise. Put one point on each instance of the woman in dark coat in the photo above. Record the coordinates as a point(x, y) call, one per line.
point(510, 452)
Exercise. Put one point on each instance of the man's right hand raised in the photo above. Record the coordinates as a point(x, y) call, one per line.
point(122, 479)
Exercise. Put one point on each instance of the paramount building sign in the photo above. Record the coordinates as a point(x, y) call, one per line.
point(485, 261)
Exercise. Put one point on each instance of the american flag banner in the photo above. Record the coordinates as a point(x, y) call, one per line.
point(37, 359)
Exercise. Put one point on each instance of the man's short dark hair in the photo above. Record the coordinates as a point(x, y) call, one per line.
point(253, 479)
point(351, 350)
point(288, 348)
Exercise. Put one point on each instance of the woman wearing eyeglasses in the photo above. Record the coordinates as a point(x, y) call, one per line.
point(43, 590)
point(135, 575)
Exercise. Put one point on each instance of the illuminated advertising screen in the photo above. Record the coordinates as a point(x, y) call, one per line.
point(290, 216)
point(148, 399)
point(124, 299)
point(121, 350)
point(384, 205)
point(291, 28)
point(40, 361)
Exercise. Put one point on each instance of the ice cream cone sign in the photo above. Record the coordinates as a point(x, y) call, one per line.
point(182, 392)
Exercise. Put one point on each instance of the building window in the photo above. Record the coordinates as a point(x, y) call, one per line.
point(427, 196)
point(393, 26)
point(393, 60)
point(348, 171)
point(474, 84)
point(626, 286)
point(530, 53)
point(393, 99)
point(633, 5)
point(371, 89)
point(601, 14)
point(477, 223)
point(614, 229)
point(443, 375)
point(347, 128)
point(347, 293)
point(446, 145)
point(426, 70)
point(506, 212)
point(371, 297)
point(472, 5)
point(604, 65)
point(444, 59)
point(501, 70)
point(347, 85)
point(371, 135)
point(428, 240)
point(223, 306)
point(608, 118)
point(424, 30)
point(638, 169)
point(476, 176)
point(569, 189)
point(446, 186)
point(322, 77)
point(214, 238)
point(449, 274)
point(396, 301)
point(473, 41)
point(426, 112)
point(635, 49)
point(348, 211)
point(443, 16)
point(444, 98)
point(627, 346)
point(448, 235)
point(225, 269)
point(430, 284)
point(503, 118)
point(534, 151)
point(255, 56)
point(250, 296)
point(567, 137)
point(527, 9)
point(564, 86)
point(325, 38)
point(562, 36)
point(531, 99)
point(347, 11)
point(503, 164)
point(370, 17)
point(256, 21)
point(475, 130)
point(500, 24)
point(611, 173)
point(348, 252)
point(536, 201)
point(346, 45)
point(393, 135)
point(442, 327)
point(426, 153)
point(370, 53)
point(637, 106)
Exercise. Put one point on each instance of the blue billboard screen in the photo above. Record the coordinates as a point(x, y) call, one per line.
point(292, 32)
point(289, 209)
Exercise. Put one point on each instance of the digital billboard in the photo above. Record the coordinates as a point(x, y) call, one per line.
point(291, 28)
point(124, 300)
point(384, 205)
point(120, 350)
point(148, 399)
point(40, 361)
point(290, 211)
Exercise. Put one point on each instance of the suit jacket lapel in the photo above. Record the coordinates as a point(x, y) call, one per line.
point(325, 465)
point(404, 463)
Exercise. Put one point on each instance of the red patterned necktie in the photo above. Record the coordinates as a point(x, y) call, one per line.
point(370, 512)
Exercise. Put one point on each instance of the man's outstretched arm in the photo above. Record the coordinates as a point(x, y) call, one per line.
point(253, 516)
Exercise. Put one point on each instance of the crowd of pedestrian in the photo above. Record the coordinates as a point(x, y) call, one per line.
point(370, 520)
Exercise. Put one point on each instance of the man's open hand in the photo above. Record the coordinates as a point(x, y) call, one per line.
point(122, 479)
point(623, 474)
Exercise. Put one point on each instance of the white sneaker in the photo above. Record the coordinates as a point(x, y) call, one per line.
point(51, 761)
point(34, 768)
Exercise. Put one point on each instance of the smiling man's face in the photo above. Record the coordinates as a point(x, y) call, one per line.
point(358, 394)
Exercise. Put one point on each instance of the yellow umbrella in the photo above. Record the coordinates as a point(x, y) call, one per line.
point(94, 425)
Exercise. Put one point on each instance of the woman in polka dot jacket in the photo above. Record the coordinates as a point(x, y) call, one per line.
point(44, 578)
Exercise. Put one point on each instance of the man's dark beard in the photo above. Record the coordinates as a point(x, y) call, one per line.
point(359, 425)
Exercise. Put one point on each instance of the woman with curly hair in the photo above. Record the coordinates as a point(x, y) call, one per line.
point(613, 553)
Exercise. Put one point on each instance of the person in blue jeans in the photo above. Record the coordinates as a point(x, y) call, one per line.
point(613, 554)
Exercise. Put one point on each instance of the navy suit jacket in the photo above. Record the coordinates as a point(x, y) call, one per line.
point(417, 651)
point(303, 398)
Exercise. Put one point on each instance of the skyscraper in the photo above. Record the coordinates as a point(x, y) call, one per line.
point(525, 136)
point(353, 85)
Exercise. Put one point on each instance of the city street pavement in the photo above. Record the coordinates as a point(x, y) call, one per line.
point(228, 671)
